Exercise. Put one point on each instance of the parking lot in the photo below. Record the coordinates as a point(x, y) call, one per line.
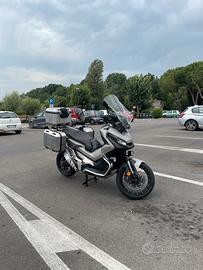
point(52, 222)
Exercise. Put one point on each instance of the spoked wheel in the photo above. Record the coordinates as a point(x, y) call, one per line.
point(191, 125)
point(63, 166)
point(136, 189)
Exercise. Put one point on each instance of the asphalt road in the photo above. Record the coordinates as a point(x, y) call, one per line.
point(49, 225)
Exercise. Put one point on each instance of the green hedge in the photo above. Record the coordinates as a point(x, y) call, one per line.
point(157, 113)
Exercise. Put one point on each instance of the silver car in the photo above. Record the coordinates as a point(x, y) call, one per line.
point(192, 118)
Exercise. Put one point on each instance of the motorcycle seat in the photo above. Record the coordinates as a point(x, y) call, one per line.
point(91, 144)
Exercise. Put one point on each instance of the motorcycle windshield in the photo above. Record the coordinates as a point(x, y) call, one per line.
point(119, 109)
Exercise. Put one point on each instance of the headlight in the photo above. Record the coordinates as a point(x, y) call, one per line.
point(119, 141)
point(116, 139)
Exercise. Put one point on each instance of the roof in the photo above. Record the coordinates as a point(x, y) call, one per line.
point(6, 112)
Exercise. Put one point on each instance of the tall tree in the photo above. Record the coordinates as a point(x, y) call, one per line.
point(139, 92)
point(194, 81)
point(79, 96)
point(155, 89)
point(172, 85)
point(115, 83)
point(94, 80)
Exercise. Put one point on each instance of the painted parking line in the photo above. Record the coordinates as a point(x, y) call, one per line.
point(172, 148)
point(194, 182)
point(48, 236)
point(179, 137)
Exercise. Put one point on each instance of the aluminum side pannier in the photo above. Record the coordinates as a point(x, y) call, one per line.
point(55, 140)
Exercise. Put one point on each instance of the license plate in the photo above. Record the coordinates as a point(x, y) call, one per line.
point(11, 126)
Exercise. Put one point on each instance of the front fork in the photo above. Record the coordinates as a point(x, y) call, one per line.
point(134, 165)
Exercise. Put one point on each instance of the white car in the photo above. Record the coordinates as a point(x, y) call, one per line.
point(192, 118)
point(9, 121)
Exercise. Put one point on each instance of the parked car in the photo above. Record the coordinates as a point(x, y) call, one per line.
point(38, 120)
point(103, 112)
point(93, 117)
point(77, 115)
point(9, 121)
point(171, 114)
point(192, 118)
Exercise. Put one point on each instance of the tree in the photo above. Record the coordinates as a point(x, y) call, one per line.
point(155, 89)
point(115, 83)
point(12, 102)
point(174, 91)
point(30, 105)
point(47, 92)
point(79, 95)
point(194, 81)
point(139, 92)
point(1, 106)
point(94, 81)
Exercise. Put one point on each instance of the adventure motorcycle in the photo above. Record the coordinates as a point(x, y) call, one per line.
point(79, 151)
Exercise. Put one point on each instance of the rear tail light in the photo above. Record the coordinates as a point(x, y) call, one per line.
point(181, 115)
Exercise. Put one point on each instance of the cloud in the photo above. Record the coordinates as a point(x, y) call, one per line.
point(57, 37)
point(27, 79)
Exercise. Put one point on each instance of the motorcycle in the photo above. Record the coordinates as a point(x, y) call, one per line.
point(79, 151)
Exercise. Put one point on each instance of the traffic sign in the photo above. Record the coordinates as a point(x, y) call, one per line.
point(51, 102)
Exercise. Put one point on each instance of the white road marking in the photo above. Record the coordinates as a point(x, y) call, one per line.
point(179, 137)
point(47, 245)
point(173, 148)
point(56, 241)
point(179, 179)
point(51, 259)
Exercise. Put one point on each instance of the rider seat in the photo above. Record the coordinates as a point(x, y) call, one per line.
point(91, 144)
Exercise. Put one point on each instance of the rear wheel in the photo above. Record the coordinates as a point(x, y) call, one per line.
point(133, 188)
point(18, 131)
point(191, 125)
point(63, 166)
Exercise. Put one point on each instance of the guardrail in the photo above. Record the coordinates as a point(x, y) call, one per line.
point(143, 115)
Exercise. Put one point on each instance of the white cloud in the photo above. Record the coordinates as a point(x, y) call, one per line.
point(22, 79)
point(45, 40)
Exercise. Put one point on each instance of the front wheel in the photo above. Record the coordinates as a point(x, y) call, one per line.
point(63, 166)
point(136, 189)
point(31, 125)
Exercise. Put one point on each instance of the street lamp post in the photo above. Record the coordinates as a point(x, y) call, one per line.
point(77, 89)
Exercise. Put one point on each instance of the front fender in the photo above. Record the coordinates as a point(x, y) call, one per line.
point(136, 163)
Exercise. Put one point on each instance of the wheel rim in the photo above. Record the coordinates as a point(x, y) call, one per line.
point(191, 125)
point(134, 186)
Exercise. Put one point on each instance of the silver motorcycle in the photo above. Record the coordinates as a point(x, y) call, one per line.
point(79, 151)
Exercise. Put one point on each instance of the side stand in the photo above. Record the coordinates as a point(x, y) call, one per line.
point(87, 180)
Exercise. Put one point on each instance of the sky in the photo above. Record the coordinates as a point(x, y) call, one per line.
point(54, 41)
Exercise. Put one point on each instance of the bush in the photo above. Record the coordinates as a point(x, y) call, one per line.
point(30, 105)
point(157, 113)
